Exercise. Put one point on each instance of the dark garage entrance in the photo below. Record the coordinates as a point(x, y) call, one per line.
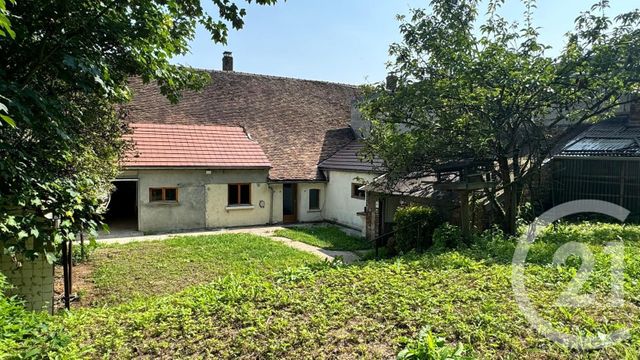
point(122, 212)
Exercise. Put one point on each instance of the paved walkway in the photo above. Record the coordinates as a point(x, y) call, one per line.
point(266, 231)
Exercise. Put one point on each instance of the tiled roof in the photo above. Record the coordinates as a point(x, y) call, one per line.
point(610, 138)
point(348, 158)
point(217, 147)
point(298, 123)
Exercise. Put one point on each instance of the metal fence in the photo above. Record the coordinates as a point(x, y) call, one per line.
point(610, 179)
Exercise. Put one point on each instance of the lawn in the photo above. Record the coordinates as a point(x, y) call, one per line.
point(372, 309)
point(140, 269)
point(325, 237)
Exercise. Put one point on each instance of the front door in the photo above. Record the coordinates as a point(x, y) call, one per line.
point(289, 203)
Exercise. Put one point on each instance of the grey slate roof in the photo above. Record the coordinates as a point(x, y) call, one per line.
point(347, 158)
point(610, 138)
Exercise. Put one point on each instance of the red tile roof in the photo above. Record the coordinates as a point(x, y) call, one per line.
point(298, 123)
point(210, 146)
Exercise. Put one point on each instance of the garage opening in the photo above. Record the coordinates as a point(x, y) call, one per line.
point(122, 212)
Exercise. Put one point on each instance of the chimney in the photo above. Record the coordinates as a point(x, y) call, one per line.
point(227, 61)
point(392, 82)
point(360, 126)
point(634, 114)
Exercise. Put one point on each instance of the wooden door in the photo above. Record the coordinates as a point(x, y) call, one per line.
point(289, 203)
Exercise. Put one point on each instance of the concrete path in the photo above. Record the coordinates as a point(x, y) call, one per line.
point(266, 231)
point(348, 257)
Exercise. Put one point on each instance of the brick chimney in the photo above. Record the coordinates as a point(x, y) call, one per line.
point(634, 114)
point(227, 61)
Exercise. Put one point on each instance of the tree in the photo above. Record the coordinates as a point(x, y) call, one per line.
point(495, 93)
point(64, 73)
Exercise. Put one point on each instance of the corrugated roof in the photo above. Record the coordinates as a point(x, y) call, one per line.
point(348, 158)
point(610, 138)
point(602, 145)
point(298, 123)
point(225, 147)
point(419, 186)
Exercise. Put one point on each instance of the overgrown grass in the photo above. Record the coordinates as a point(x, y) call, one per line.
point(124, 272)
point(369, 310)
point(30, 335)
point(325, 237)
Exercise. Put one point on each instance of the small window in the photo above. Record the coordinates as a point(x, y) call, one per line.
point(314, 199)
point(163, 194)
point(170, 194)
point(239, 194)
point(356, 193)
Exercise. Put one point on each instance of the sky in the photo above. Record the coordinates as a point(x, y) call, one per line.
point(347, 41)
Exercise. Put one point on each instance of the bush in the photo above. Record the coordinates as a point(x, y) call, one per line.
point(414, 227)
point(431, 347)
point(447, 236)
point(30, 335)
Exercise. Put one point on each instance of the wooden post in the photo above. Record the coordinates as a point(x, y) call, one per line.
point(67, 260)
point(82, 253)
point(465, 215)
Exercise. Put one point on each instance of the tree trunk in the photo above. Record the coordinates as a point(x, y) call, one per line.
point(510, 197)
point(510, 208)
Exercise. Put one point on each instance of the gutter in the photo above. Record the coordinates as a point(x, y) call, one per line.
point(607, 158)
point(197, 168)
point(271, 181)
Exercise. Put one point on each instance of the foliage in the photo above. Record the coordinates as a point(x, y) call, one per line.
point(431, 347)
point(30, 335)
point(370, 310)
point(496, 93)
point(325, 237)
point(447, 236)
point(414, 225)
point(62, 87)
point(150, 268)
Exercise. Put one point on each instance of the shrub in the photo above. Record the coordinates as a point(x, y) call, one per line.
point(30, 335)
point(447, 236)
point(414, 227)
point(431, 347)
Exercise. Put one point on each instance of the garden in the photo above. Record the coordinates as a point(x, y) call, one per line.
point(244, 296)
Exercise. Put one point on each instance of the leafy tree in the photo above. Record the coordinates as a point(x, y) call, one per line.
point(64, 73)
point(472, 88)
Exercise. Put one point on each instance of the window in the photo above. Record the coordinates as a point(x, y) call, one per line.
point(239, 194)
point(356, 193)
point(314, 199)
point(163, 194)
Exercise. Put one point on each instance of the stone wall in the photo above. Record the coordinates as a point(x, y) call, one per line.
point(32, 281)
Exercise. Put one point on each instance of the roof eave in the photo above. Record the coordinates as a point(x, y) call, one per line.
point(203, 167)
point(370, 171)
point(597, 157)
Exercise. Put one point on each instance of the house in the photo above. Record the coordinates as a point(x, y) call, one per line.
point(246, 150)
point(602, 163)
point(346, 176)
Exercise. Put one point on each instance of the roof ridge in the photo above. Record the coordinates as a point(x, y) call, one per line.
point(276, 77)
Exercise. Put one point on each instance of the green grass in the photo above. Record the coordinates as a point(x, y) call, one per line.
point(372, 309)
point(325, 237)
point(123, 272)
